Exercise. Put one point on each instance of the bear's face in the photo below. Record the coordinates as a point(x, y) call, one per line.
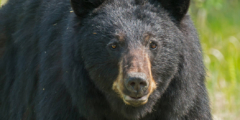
point(131, 52)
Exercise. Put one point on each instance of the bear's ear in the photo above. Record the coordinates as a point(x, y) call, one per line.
point(178, 8)
point(83, 7)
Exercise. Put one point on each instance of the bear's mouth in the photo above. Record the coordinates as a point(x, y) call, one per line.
point(135, 101)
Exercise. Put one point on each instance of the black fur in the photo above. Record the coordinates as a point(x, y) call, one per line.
point(54, 63)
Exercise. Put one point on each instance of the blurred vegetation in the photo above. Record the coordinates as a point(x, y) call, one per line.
point(2, 2)
point(218, 24)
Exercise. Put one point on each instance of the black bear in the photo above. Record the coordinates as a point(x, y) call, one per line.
point(100, 60)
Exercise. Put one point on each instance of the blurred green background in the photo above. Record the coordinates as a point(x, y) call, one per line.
point(218, 24)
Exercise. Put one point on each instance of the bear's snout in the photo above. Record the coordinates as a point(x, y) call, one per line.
point(135, 82)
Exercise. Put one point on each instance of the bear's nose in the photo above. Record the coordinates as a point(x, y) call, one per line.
point(137, 83)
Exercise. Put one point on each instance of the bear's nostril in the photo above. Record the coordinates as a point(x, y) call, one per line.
point(143, 83)
point(132, 84)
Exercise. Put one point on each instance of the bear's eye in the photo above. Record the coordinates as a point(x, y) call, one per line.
point(113, 46)
point(153, 45)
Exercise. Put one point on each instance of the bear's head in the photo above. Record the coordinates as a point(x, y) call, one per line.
point(131, 49)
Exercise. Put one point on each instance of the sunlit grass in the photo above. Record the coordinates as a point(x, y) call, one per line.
point(218, 24)
point(2, 2)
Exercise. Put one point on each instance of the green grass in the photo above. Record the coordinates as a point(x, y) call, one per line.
point(218, 24)
point(2, 2)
